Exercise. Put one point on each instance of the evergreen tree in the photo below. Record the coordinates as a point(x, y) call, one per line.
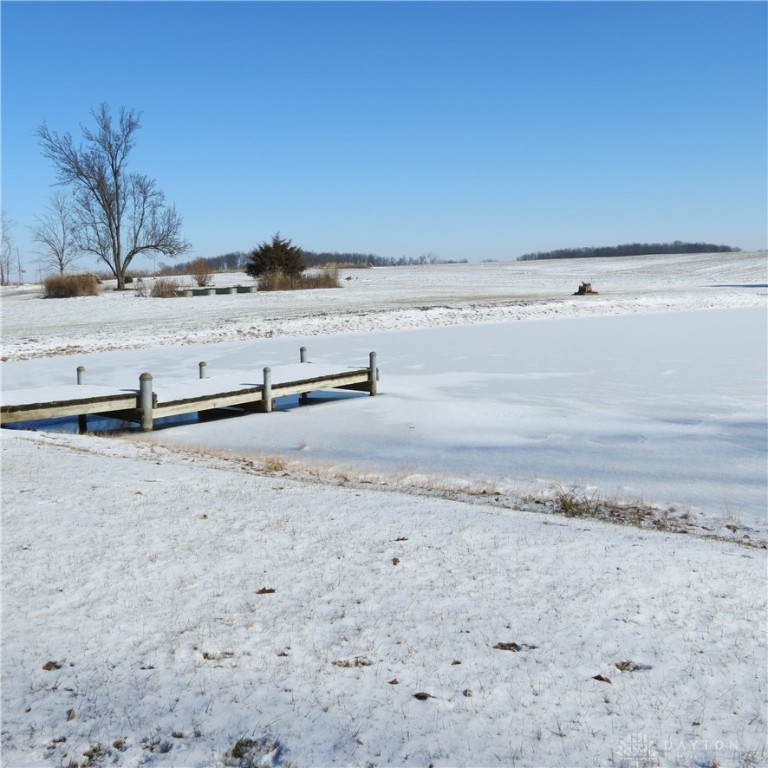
point(278, 256)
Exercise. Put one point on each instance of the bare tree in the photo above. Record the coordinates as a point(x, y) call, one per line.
point(7, 249)
point(55, 232)
point(117, 214)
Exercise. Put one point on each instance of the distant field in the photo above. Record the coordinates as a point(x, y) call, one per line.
point(387, 298)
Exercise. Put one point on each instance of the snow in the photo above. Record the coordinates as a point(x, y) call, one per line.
point(389, 298)
point(404, 535)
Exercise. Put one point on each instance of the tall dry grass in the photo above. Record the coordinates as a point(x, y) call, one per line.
point(280, 281)
point(70, 286)
point(164, 288)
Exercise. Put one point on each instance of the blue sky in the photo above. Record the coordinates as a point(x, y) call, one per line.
point(467, 130)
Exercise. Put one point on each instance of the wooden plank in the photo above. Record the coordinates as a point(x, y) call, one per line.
point(207, 402)
point(247, 393)
point(254, 394)
point(64, 393)
point(11, 414)
point(325, 382)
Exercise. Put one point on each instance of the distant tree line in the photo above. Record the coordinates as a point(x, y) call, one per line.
point(628, 249)
point(238, 260)
point(227, 262)
point(325, 258)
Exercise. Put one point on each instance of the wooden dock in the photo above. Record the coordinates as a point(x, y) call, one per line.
point(154, 400)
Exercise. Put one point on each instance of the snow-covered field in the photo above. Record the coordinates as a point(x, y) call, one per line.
point(385, 299)
point(276, 589)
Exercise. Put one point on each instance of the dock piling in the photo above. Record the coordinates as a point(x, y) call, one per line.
point(266, 392)
point(82, 419)
point(304, 396)
point(202, 365)
point(146, 402)
point(373, 375)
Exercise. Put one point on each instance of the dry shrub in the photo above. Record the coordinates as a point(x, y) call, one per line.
point(274, 280)
point(325, 278)
point(280, 281)
point(68, 286)
point(164, 288)
point(275, 464)
point(201, 272)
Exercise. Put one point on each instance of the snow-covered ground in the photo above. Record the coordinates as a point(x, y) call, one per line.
point(392, 298)
point(405, 536)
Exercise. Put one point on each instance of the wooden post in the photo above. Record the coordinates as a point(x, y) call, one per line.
point(145, 401)
point(266, 392)
point(373, 374)
point(202, 365)
point(82, 419)
point(303, 397)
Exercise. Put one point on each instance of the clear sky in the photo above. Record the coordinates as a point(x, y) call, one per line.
point(477, 130)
